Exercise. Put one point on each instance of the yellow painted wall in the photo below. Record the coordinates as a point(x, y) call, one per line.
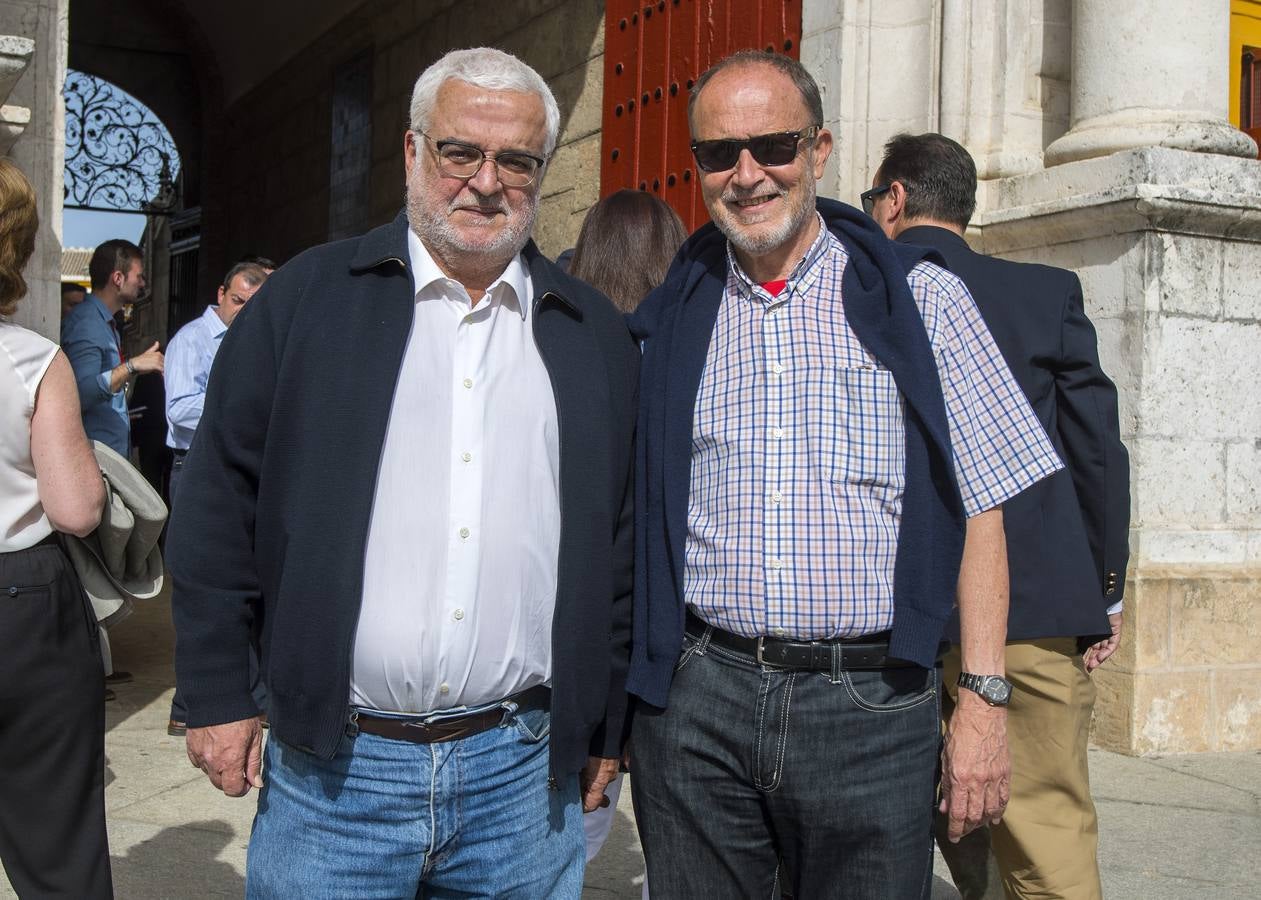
point(1245, 31)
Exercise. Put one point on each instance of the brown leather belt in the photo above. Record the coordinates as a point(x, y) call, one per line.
point(871, 651)
point(451, 728)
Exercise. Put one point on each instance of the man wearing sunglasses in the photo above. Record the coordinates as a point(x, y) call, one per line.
point(415, 455)
point(1067, 537)
point(826, 435)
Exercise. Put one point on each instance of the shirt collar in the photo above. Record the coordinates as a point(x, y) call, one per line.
point(99, 305)
point(800, 272)
point(211, 315)
point(425, 272)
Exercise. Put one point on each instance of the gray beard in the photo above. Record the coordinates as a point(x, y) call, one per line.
point(756, 245)
point(445, 240)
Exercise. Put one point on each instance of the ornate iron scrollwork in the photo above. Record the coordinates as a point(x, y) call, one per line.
point(119, 156)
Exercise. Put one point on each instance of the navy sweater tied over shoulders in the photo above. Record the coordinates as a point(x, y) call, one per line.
point(674, 325)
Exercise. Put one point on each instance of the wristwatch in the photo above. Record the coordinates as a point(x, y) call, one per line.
point(131, 369)
point(994, 689)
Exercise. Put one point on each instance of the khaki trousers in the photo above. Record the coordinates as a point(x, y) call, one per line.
point(1046, 845)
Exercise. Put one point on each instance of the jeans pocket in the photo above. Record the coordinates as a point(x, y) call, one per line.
point(689, 650)
point(533, 725)
point(890, 690)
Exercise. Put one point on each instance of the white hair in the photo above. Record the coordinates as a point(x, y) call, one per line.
point(490, 70)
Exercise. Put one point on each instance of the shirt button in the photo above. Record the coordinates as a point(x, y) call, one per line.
point(777, 432)
point(444, 688)
point(779, 632)
point(777, 564)
point(777, 497)
point(466, 456)
point(468, 382)
point(464, 533)
point(777, 368)
point(458, 615)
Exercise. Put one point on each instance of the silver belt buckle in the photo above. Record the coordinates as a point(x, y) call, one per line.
point(760, 641)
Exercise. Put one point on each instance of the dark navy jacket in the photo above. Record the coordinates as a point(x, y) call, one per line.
point(277, 491)
point(674, 324)
point(1068, 535)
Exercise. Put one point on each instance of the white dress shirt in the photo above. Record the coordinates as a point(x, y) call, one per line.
point(460, 566)
point(189, 356)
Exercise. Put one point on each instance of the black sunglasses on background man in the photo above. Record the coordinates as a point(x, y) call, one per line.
point(869, 197)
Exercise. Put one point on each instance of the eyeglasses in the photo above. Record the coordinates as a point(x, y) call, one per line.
point(766, 149)
point(514, 168)
point(869, 197)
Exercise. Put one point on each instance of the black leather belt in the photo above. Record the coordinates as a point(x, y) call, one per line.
point(452, 728)
point(871, 651)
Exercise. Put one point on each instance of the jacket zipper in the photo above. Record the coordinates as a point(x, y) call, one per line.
point(552, 784)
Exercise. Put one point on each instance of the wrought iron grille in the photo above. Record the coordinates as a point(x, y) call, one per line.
point(119, 156)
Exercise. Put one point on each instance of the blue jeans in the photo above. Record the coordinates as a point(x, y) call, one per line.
point(822, 780)
point(390, 819)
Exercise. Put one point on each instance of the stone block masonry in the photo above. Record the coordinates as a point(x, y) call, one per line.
point(1168, 247)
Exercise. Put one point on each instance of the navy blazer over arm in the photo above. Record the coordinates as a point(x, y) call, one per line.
point(1068, 535)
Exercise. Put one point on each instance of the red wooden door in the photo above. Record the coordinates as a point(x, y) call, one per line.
point(653, 53)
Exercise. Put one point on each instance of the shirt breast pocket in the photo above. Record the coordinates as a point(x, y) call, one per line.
point(863, 438)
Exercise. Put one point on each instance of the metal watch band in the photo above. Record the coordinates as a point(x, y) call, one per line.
point(993, 689)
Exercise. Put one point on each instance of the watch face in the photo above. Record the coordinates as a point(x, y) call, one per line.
point(996, 690)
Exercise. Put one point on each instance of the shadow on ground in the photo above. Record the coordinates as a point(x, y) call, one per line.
point(179, 862)
point(144, 645)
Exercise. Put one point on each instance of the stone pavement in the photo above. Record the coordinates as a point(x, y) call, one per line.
point(1172, 828)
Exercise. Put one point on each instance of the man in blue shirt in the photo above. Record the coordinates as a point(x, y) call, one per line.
point(91, 341)
point(94, 347)
point(190, 355)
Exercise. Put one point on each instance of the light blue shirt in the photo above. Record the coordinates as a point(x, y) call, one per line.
point(91, 345)
point(189, 358)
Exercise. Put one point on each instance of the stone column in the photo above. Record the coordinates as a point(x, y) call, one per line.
point(877, 65)
point(1005, 80)
point(1149, 73)
point(38, 146)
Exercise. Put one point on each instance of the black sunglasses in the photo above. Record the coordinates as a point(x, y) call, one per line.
point(869, 197)
point(766, 149)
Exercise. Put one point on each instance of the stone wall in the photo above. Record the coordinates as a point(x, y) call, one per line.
point(878, 69)
point(277, 137)
point(40, 149)
point(1168, 247)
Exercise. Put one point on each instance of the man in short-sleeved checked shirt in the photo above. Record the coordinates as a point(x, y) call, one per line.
point(794, 745)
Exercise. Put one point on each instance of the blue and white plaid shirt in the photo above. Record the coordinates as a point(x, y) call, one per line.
point(799, 455)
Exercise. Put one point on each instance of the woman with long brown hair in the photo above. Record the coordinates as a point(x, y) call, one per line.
point(625, 246)
point(52, 720)
point(624, 249)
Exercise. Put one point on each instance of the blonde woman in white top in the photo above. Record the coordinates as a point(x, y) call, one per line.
point(52, 721)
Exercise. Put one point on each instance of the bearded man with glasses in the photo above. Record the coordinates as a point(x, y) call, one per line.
point(826, 435)
point(415, 455)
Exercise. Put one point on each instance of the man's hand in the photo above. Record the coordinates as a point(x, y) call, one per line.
point(1096, 654)
point(149, 361)
point(592, 780)
point(975, 766)
point(231, 754)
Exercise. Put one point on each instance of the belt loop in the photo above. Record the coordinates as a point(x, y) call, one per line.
point(837, 660)
point(510, 708)
point(703, 644)
point(761, 641)
point(352, 724)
